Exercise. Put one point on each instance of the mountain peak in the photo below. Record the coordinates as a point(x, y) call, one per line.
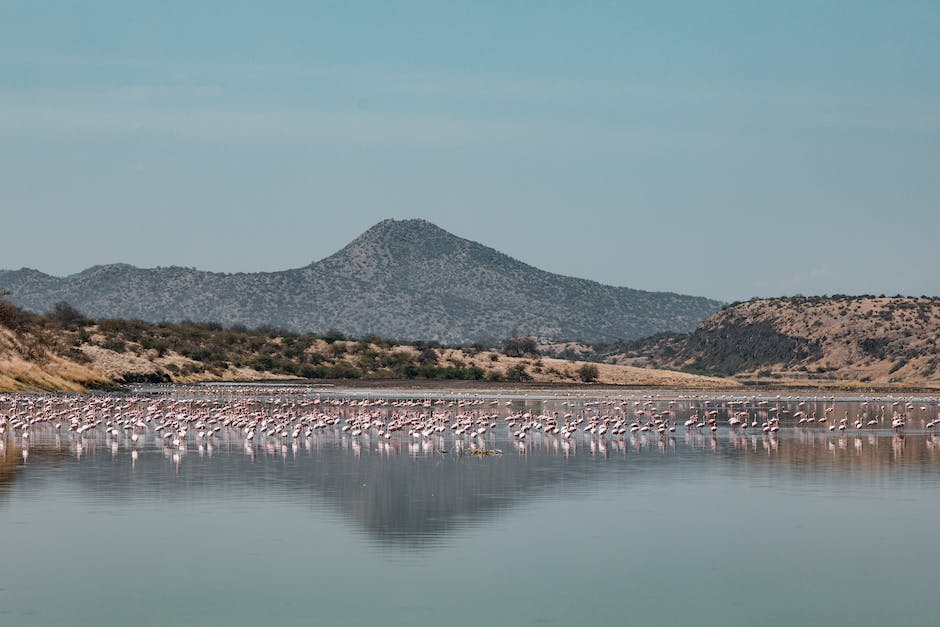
point(394, 243)
point(410, 230)
point(399, 279)
point(393, 225)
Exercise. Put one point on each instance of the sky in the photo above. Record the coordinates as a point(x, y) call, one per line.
point(727, 149)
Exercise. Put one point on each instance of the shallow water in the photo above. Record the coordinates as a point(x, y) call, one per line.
point(799, 526)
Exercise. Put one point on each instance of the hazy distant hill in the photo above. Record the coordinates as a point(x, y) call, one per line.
point(403, 279)
point(875, 341)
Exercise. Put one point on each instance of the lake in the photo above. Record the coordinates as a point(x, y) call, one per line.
point(351, 506)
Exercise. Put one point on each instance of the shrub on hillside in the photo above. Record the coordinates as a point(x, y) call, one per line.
point(65, 316)
point(588, 373)
point(517, 374)
point(14, 318)
point(520, 347)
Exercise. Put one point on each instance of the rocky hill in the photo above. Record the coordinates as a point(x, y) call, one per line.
point(403, 279)
point(863, 340)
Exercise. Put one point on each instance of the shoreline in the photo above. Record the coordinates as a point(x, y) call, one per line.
point(742, 388)
point(542, 386)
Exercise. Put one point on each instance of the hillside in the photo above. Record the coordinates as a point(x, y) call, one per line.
point(403, 279)
point(66, 351)
point(32, 359)
point(863, 340)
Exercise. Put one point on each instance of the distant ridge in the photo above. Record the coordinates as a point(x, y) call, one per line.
point(403, 279)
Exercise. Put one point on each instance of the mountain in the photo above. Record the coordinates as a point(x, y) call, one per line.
point(404, 279)
point(871, 341)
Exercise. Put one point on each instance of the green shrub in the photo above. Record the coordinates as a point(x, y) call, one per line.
point(333, 336)
point(115, 344)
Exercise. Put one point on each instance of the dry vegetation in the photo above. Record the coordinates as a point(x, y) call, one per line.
point(67, 351)
point(838, 341)
point(31, 358)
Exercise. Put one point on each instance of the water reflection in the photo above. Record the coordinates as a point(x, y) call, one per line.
point(415, 485)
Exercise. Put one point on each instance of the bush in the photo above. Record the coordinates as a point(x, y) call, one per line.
point(368, 361)
point(14, 318)
point(378, 341)
point(428, 357)
point(116, 345)
point(520, 347)
point(517, 374)
point(588, 373)
point(67, 317)
point(333, 335)
point(345, 370)
point(262, 363)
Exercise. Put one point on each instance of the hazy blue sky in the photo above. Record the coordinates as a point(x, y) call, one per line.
point(725, 149)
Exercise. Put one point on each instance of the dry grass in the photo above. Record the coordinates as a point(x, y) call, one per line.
point(107, 366)
point(119, 366)
point(51, 372)
point(550, 370)
point(840, 325)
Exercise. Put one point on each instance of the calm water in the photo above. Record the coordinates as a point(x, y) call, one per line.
point(799, 526)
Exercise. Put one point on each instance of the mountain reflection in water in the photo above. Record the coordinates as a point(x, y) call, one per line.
point(414, 491)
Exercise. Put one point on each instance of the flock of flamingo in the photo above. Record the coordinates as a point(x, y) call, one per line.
point(256, 415)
